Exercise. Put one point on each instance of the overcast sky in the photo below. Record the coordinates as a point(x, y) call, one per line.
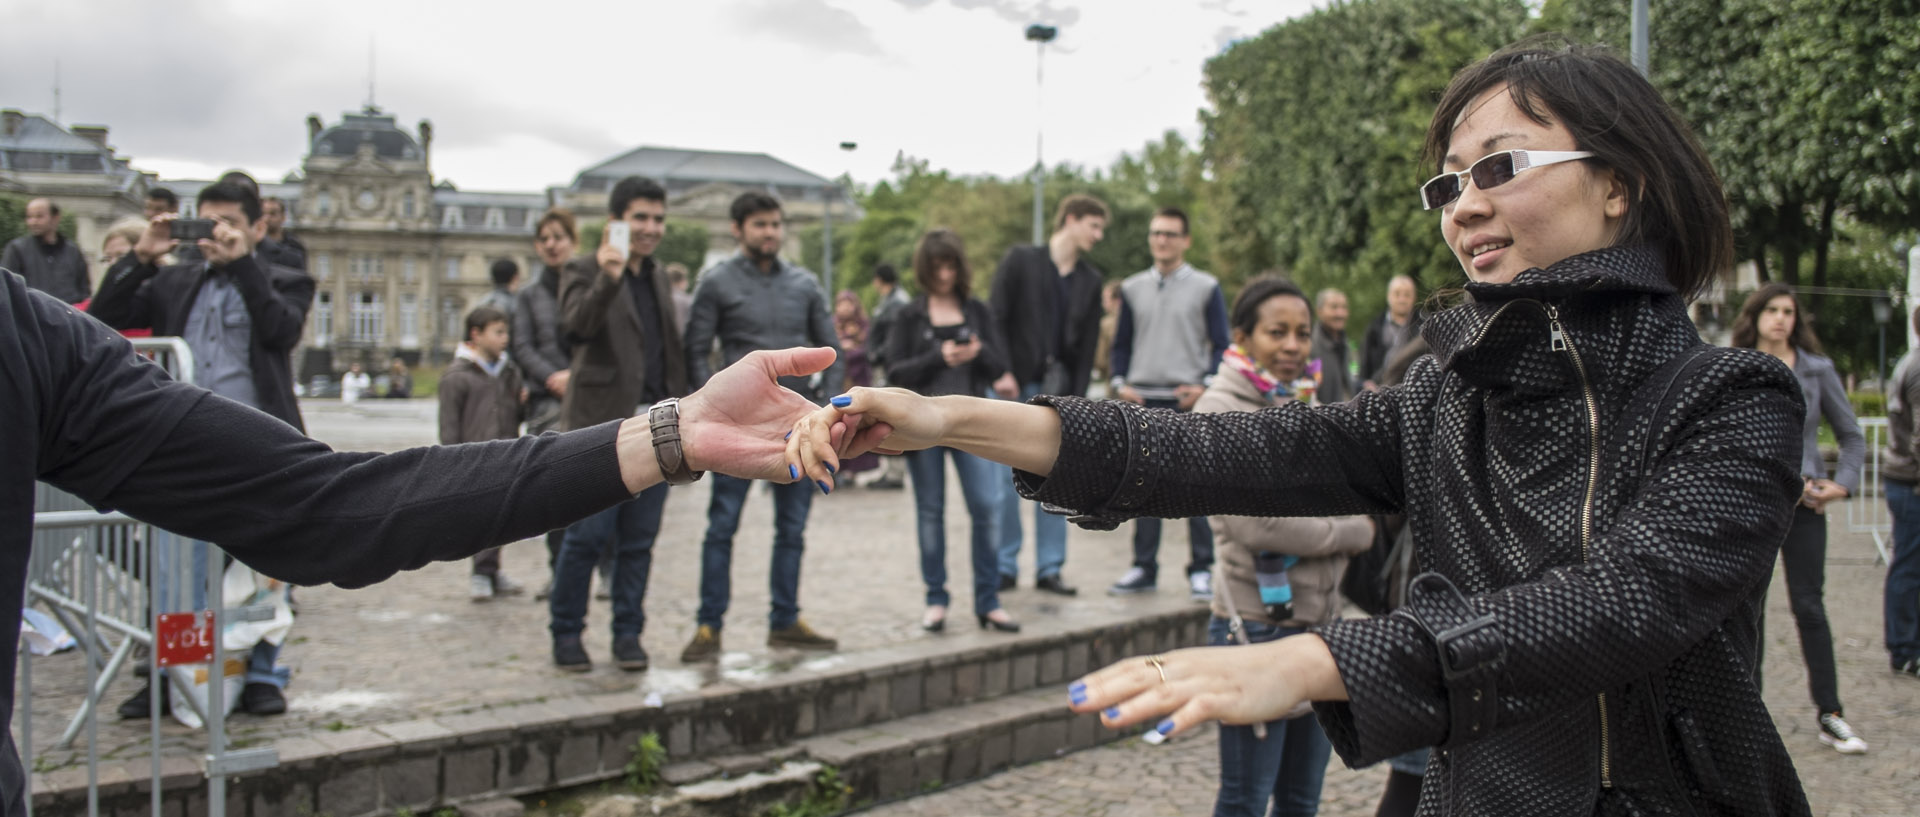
point(524, 95)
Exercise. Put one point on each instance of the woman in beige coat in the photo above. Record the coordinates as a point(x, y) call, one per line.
point(1278, 576)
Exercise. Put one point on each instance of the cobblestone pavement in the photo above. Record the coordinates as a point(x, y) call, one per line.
point(414, 646)
point(1133, 779)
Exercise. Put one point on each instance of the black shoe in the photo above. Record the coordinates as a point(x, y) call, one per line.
point(1008, 583)
point(1909, 668)
point(140, 708)
point(1008, 626)
point(628, 654)
point(1055, 585)
point(933, 624)
point(262, 699)
point(570, 655)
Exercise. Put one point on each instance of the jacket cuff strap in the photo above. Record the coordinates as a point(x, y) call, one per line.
point(1471, 650)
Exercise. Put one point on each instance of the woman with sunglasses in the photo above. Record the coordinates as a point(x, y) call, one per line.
point(1770, 321)
point(1597, 500)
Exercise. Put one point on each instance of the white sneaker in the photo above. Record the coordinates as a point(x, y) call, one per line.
point(1200, 586)
point(1836, 733)
point(1133, 581)
point(480, 587)
point(503, 586)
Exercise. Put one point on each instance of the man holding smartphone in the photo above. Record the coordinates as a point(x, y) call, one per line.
point(617, 310)
point(240, 314)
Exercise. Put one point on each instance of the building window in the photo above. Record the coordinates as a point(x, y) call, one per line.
point(323, 317)
point(453, 269)
point(451, 219)
point(369, 319)
point(323, 202)
point(450, 319)
point(406, 204)
point(409, 320)
point(323, 267)
point(407, 274)
point(496, 219)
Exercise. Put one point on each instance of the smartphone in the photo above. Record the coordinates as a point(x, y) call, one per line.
point(191, 229)
point(963, 335)
point(620, 235)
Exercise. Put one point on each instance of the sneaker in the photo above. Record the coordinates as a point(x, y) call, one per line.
point(262, 699)
point(704, 647)
point(1836, 733)
point(1909, 668)
point(480, 587)
point(570, 655)
point(140, 707)
point(628, 654)
point(1135, 580)
point(503, 586)
point(1008, 583)
point(1200, 586)
point(800, 637)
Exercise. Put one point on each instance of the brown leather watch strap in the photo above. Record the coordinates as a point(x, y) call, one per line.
point(664, 421)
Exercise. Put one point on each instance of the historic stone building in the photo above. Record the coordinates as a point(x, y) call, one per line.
point(398, 257)
point(76, 168)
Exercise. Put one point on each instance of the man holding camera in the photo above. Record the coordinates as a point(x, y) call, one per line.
point(240, 315)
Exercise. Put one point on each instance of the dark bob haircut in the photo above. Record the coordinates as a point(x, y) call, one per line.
point(937, 247)
point(1675, 203)
point(1246, 308)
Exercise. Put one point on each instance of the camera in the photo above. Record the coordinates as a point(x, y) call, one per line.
point(191, 229)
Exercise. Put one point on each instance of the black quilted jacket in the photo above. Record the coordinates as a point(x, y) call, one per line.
point(1584, 641)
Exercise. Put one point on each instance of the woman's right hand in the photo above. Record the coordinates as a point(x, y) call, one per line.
point(864, 419)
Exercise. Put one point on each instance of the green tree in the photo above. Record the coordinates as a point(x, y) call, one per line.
point(685, 243)
point(1314, 138)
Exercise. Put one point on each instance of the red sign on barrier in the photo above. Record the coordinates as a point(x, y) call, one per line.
point(183, 638)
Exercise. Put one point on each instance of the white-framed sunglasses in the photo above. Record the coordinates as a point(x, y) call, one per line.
point(1491, 171)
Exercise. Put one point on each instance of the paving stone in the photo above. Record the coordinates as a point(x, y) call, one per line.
point(497, 807)
point(680, 774)
point(740, 765)
point(409, 781)
point(354, 791)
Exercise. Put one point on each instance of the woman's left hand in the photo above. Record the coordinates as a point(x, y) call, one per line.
point(1820, 492)
point(1235, 685)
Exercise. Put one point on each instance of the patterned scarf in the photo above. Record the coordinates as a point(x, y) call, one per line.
point(1263, 380)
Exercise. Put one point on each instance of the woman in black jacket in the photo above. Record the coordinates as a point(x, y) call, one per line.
point(944, 343)
point(1597, 496)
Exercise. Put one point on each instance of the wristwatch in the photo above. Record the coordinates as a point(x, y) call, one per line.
point(664, 421)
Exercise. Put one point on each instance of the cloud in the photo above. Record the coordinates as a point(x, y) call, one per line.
point(810, 23)
point(1013, 11)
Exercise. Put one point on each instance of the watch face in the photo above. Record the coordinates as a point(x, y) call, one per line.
point(366, 200)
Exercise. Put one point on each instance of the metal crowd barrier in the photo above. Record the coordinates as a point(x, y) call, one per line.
point(107, 579)
point(1867, 513)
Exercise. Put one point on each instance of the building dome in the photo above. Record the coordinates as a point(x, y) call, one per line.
point(369, 126)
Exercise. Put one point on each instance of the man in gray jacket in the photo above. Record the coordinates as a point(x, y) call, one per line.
point(48, 260)
point(749, 302)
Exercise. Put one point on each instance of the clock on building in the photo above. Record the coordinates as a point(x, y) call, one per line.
point(367, 199)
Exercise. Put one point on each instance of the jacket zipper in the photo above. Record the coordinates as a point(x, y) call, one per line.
point(1557, 337)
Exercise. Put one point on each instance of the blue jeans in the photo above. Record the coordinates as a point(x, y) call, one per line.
point(168, 550)
point(929, 471)
point(1286, 767)
point(1049, 530)
point(630, 528)
point(1903, 574)
point(1146, 533)
point(790, 506)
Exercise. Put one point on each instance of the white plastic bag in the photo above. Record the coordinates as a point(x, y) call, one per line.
point(242, 587)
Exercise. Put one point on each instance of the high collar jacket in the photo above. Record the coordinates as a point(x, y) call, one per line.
point(1585, 640)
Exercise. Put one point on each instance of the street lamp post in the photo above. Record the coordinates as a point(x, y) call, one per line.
point(1882, 310)
point(1040, 34)
point(826, 236)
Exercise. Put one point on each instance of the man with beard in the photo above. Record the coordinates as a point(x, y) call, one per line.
point(748, 302)
point(1330, 347)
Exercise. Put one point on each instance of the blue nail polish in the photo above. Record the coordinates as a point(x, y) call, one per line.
point(830, 468)
point(1077, 688)
point(1077, 694)
point(788, 437)
point(842, 401)
point(793, 471)
point(1165, 727)
point(823, 486)
point(1112, 714)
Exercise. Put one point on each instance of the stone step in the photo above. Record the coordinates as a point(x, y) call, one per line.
point(751, 721)
point(868, 765)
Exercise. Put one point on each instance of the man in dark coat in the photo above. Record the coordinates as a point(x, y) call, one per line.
point(48, 260)
point(618, 310)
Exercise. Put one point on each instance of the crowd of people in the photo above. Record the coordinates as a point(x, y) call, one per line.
point(1570, 595)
